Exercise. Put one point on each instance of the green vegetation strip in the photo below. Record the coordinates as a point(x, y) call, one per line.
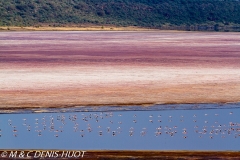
point(163, 14)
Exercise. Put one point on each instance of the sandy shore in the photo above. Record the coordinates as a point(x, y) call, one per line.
point(60, 69)
point(75, 28)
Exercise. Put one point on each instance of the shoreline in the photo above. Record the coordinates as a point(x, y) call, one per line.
point(119, 108)
point(129, 154)
point(106, 28)
point(87, 28)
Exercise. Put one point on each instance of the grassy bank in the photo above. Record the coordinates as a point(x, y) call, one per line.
point(74, 28)
point(47, 27)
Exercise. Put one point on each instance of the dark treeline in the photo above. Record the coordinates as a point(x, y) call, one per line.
point(144, 13)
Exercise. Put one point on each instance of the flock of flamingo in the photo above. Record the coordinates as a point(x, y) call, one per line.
point(85, 123)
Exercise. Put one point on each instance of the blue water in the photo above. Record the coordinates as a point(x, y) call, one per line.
point(209, 128)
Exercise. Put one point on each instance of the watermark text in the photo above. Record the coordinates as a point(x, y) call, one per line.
point(42, 154)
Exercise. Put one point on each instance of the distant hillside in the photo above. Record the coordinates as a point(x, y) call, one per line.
point(144, 13)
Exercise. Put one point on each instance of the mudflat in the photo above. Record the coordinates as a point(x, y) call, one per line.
point(125, 155)
point(61, 69)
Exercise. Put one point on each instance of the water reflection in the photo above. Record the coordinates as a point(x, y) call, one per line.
point(211, 129)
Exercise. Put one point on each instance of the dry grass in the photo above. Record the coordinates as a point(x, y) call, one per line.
point(72, 28)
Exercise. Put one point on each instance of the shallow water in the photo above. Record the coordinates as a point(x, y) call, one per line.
point(158, 107)
point(211, 128)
